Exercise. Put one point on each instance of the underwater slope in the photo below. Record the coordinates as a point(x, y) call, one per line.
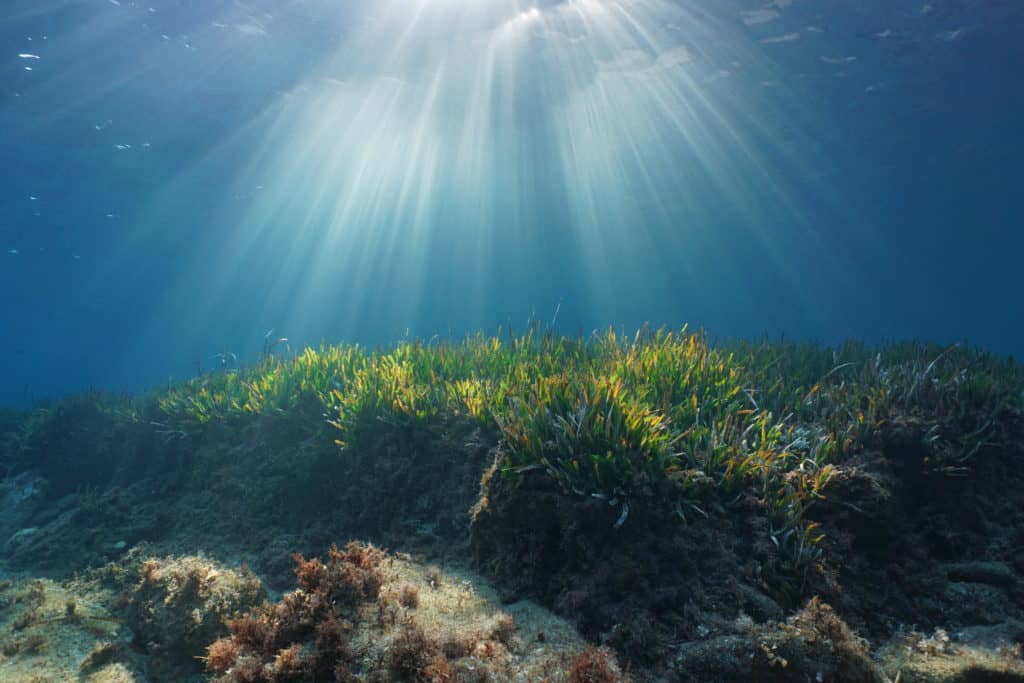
point(736, 511)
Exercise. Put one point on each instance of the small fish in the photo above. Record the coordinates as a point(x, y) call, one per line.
point(838, 60)
point(12, 252)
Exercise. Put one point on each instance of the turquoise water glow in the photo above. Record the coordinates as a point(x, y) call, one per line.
point(181, 177)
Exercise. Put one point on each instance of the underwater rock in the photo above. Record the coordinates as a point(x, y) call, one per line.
point(723, 658)
point(977, 603)
point(813, 645)
point(115, 662)
point(52, 631)
point(992, 573)
point(621, 587)
point(758, 605)
point(114, 673)
point(179, 605)
point(917, 658)
point(992, 637)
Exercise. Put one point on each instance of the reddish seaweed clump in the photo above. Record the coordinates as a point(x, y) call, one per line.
point(594, 665)
point(303, 637)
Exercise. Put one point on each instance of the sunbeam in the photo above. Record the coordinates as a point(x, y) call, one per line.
point(341, 169)
point(680, 334)
point(437, 164)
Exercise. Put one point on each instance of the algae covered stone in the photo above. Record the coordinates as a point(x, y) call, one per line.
point(179, 605)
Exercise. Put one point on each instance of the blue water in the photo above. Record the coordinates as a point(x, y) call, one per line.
point(180, 177)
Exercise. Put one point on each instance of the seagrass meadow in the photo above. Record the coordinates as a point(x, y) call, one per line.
point(511, 341)
point(651, 506)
